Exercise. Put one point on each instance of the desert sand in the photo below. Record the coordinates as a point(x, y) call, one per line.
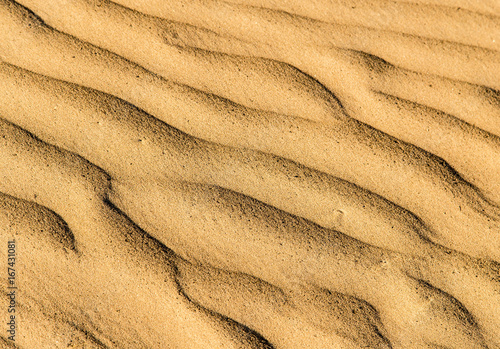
point(250, 174)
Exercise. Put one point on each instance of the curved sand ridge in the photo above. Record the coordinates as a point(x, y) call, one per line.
point(191, 181)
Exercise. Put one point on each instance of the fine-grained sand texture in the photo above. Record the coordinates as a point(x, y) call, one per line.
point(288, 174)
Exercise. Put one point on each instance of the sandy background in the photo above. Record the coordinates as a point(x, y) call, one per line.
point(250, 174)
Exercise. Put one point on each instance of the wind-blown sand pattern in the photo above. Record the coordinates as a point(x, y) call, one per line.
point(251, 174)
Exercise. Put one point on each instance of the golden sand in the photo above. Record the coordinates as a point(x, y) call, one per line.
point(250, 174)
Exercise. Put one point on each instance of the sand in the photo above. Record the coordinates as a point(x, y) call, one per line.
point(250, 174)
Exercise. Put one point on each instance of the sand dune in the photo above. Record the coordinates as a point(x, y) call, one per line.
point(219, 120)
point(250, 174)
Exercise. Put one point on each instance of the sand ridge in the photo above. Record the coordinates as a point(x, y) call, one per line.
point(248, 174)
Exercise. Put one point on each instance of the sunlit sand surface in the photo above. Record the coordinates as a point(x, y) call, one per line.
point(250, 174)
